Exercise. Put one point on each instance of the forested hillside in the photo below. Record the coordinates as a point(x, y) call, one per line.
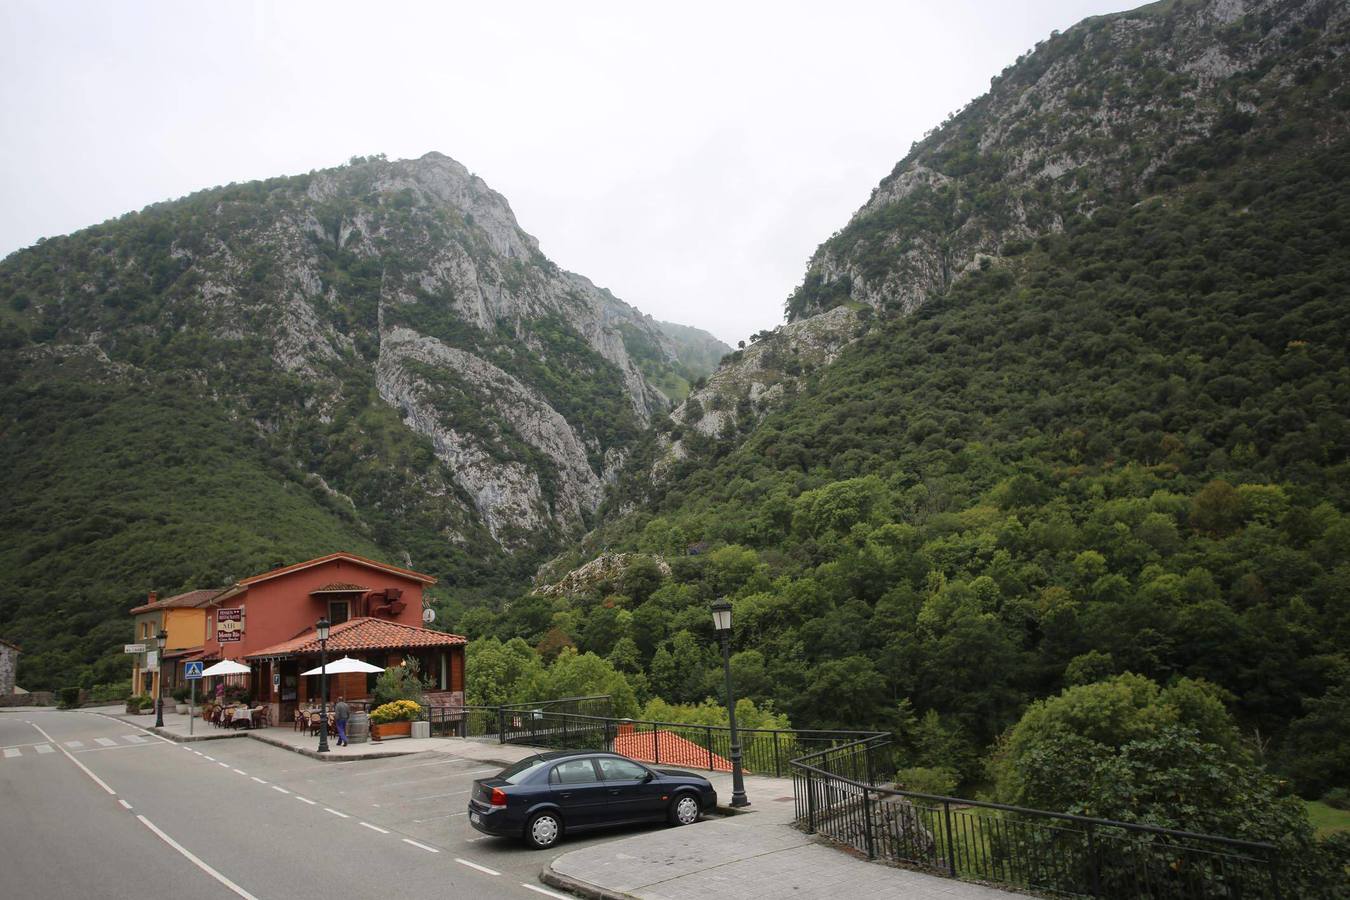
point(1118, 445)
point(373, 358)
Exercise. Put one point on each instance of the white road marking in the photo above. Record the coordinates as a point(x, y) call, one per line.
point(278, 788)
point(11, 752)
point(223, 765)
point(241, 771)
point(125, 804)
point(195, 861)
point(375, 828)
point(446, 816)
point(545, 891)
point(133, 739)
point(105, 742)
point(257, 779)
point(45, 748)
point(99, 781)
point(74, 745)
point(305, 800)
point(212, 758)
point(422, 846)
point(435, 796)
point(341, 815)
point(474, 865)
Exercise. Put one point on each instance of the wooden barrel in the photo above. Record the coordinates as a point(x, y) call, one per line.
point(358, 728)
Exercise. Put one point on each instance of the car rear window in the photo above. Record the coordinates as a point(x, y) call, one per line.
point(516, 773)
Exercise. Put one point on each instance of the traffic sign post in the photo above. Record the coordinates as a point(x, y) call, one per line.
point(192, 672)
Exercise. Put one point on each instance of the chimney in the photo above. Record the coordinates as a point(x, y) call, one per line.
point(154, 595)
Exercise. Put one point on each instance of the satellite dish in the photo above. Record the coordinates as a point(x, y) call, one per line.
point(428, 615)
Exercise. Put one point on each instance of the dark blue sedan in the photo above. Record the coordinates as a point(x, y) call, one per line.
point(542, 797)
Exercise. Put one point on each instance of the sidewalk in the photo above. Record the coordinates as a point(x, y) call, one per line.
point(176, 729)
point(756, 854)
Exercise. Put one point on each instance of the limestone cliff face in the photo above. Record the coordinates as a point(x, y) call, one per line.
point(1117, 107)
point(332, 307)
point(1114, 106)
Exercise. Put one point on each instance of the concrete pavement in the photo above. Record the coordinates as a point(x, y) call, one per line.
point(756, 854)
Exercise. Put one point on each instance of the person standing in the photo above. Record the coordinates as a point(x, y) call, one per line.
point(342, 712)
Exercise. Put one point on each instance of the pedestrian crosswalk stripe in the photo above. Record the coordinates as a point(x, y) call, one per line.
point(106, 742)
point(11, 752)
point(74, 745)
point(133, 739)
point(45, 748)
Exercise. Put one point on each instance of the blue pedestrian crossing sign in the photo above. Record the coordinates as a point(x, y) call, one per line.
point(192, 670)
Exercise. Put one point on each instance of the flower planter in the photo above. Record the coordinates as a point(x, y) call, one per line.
point(181, 709)
point(381, 730)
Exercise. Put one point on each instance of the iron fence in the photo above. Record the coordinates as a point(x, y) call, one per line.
point(1056, 853)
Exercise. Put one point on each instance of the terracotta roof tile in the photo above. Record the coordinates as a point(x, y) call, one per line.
point(339, 587)
point(673, 749)
point(364, 633)
point(190, 599)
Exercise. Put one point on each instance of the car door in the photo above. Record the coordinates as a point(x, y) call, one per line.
point(577, 789)
point(633, 794)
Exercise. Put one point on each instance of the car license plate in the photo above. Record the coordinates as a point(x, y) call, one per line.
point(475, 818)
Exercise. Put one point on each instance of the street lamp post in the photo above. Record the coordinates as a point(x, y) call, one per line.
point(721, 612)
point(322, 629)
point(160, 639)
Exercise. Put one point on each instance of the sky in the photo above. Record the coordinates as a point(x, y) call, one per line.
point(690, 157)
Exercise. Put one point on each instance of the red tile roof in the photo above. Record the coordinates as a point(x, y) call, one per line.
point(349, 557)
point(665, 748)
point(339, 587)
point(190, 599)
point(363, 633)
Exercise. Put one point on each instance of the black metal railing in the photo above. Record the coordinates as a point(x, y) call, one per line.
point(837, 797)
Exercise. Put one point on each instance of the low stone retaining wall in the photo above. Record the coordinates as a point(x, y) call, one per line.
point(36, 698)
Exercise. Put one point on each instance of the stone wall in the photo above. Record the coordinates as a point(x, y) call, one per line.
point(9, 662)
point(37, 698)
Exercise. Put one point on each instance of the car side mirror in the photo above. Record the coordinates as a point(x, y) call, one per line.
point(648, 778)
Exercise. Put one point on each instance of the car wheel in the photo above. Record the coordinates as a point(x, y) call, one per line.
point(684, 810)
point(543, 830)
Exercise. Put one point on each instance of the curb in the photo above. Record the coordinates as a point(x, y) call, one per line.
point(581, 888)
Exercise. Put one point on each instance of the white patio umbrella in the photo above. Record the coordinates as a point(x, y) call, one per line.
point(346, 664)
point(226, 667)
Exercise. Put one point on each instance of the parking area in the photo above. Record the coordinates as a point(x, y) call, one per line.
point(423, 797)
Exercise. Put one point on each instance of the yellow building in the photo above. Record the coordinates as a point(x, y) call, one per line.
point(183, 618)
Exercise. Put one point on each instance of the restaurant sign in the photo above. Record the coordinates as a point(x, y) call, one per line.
point(230, 624)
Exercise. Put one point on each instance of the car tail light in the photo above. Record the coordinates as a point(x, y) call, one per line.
point(498, 797)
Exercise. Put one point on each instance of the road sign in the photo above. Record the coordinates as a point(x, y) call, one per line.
point(133, 648)
point(192, 670)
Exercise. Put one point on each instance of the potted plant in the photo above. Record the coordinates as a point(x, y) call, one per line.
point(180, 699)
point(393, 719)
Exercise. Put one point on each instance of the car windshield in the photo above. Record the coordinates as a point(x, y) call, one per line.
point(516, 773)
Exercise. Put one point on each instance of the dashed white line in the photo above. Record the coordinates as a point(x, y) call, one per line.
point(375, 828)
point(212, 758)
point(257, 779)
point(305, 800)
point(279, 788)
point(341, 815)
point(99, 781)
point(125, 804)
point(241, 771)
point(422, 846)
point(545, 891)
point(223, 765)
point(195, 861)
point(474, 865)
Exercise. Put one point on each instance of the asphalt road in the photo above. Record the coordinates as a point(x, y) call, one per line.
point(94, 807)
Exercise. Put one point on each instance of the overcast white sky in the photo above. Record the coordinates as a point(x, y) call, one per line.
point(690, 157)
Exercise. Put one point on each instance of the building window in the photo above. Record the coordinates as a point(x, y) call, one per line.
point(337, 611)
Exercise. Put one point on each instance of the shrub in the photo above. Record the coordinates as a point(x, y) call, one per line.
point(396, 711)
point(925, 780)
point(400, 683)
point(68, 698)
